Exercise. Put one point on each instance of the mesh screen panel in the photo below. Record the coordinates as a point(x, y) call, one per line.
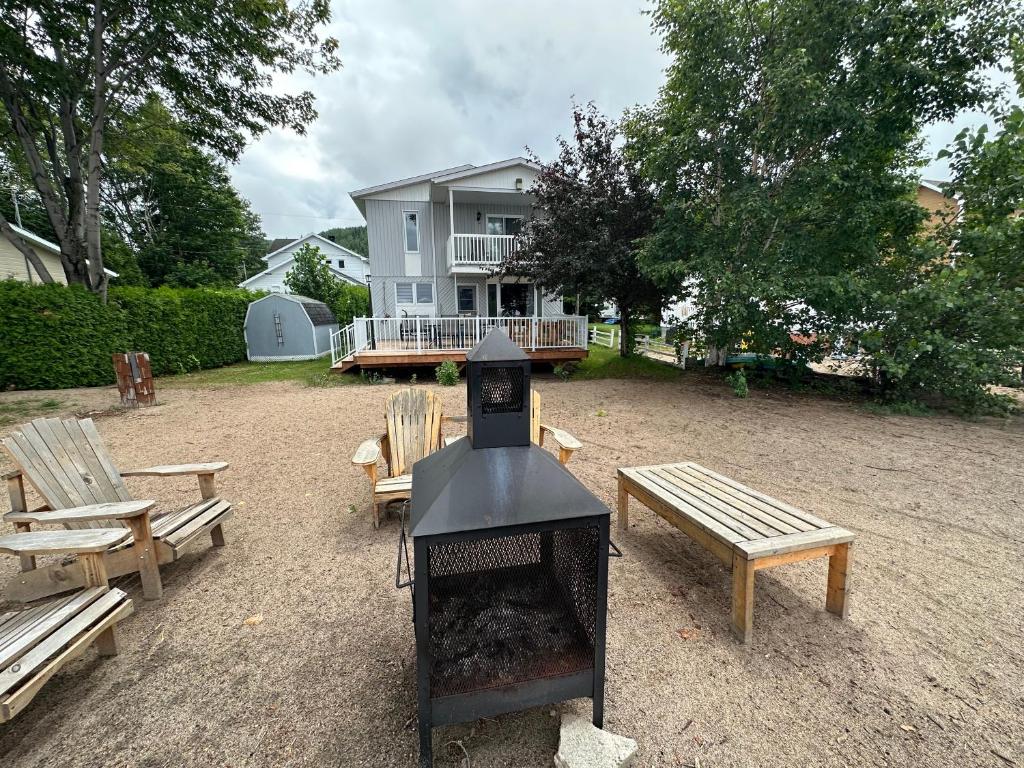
point(508, 609)
point(501, 390)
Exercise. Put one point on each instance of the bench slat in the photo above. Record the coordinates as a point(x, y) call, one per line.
point(165, 525)
point(794, 541)
point(744, 530)
point(185, 532)
point(817, 522)
point(697, 495)
point(672, 501)
point(781, 521)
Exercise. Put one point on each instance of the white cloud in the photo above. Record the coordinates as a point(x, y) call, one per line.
point(429, 85)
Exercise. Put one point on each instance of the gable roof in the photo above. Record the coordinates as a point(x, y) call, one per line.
point(323, 240)
point(336, 272)
point(278, 243)
point(406, 182)
point(46, 245)
point(934, 185)
point(475, 170)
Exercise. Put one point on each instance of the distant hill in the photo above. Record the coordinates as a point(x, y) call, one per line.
point(353, 238)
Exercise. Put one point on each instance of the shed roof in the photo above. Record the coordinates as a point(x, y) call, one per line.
point(317, 312)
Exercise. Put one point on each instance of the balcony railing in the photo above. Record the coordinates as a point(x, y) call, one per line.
point(432, 334)
point(479, 250)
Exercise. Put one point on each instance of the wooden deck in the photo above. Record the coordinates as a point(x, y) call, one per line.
point(398, 358)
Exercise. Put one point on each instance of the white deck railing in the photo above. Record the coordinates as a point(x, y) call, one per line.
point(479, 250)
point(421, 335)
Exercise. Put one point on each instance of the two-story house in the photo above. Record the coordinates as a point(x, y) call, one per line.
point(344, 264)
point(435, 239)
point(437, 242)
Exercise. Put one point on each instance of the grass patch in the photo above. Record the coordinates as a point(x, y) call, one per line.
point(604, 363)
point(27, 408)
point(314, 373)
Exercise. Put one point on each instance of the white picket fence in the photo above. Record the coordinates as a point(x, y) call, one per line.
point(604, 338)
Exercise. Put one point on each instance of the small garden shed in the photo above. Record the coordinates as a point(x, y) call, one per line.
point(282, 326)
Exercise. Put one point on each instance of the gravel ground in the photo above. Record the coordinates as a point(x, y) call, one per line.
point(927, 671)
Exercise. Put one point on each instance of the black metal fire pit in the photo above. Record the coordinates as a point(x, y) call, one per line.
point(510, 583)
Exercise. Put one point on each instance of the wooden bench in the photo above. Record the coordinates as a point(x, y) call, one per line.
point(745, 529)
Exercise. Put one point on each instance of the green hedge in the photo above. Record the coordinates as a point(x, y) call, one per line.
point(54, 336)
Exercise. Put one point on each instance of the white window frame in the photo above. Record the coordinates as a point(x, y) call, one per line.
point(489, 216)
point(417, 286)
point(458, 298)
point(405, 234)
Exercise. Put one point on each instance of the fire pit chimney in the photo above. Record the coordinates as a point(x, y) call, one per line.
point(498, 392)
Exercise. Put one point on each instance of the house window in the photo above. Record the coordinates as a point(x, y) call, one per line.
point(414, 293)
point(467, 298)
point(341, 263)
point(412, 232)
point(503, 225)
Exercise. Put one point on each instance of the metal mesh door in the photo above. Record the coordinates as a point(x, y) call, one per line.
point(501, 390)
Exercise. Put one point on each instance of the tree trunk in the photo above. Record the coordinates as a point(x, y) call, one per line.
point(716, 356)
point(97, 277)
point(625, 331)
point(26, 250)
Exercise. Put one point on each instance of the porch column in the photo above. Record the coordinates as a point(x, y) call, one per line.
point(451, 228)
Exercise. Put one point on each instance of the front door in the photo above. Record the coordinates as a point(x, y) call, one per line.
point(516, 300)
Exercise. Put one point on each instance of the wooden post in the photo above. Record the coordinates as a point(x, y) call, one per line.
point(16, 491)
point(742, 597)
point(623, 504)
point(208, 485)
point(145, 550)
point(95, 572)
point(837, 598)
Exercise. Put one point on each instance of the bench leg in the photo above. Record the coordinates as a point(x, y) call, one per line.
point(623, 505)
point(106, 642)
point(742, 598)
point(837, 598)
point(217, 536)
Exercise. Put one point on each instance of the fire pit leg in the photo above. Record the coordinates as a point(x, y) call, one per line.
point(421, 606)
point(601, 619)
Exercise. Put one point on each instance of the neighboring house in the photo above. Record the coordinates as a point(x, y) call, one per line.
point(932, 197)
point(345, 265)
point(288, 327)
point(435, 239)
point(14, 265)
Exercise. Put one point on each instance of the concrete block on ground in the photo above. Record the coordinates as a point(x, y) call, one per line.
point(581, 745)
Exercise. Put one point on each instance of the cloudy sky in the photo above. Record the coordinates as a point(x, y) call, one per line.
point(428, 85)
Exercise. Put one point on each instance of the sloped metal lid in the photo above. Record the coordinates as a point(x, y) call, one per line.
point(496, 346)
point(464, 489)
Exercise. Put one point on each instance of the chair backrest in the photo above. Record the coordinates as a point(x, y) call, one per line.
point(535, 417)
point(413, 418)
point(67, 463)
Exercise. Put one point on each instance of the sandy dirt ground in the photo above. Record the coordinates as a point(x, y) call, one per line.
point(926, 672)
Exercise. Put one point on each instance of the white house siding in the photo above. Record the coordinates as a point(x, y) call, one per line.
point(386, 232)
point(503, 178)
point(280, 263)
point(13, 267)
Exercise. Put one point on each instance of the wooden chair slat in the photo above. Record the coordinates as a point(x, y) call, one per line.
point(32, 629)
point(67, 463)
point(105, 489)
point(36, 470)
point(65, 633)
point(100, 451)
point(198, 521)
point(62, 482)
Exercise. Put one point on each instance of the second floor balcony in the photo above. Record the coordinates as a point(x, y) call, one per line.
point(478, 254)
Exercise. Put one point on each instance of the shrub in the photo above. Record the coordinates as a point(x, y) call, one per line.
point(56, 336)
point(738, 382)
point(447, 373)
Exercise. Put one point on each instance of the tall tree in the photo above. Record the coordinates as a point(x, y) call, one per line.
point(783, 147)
point(175, 204)
point(66, 68)
point(596, 206)
point(311, 276)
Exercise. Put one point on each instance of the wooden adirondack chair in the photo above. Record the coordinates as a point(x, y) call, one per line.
point(36, 642)
point(567, 444)
point(413, 430)
point(68, 465)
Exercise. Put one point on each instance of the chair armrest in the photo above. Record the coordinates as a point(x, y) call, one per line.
point(564, 439)
point(120, 510)
point(368, 451)
point(173, 470)
point(64, 542)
